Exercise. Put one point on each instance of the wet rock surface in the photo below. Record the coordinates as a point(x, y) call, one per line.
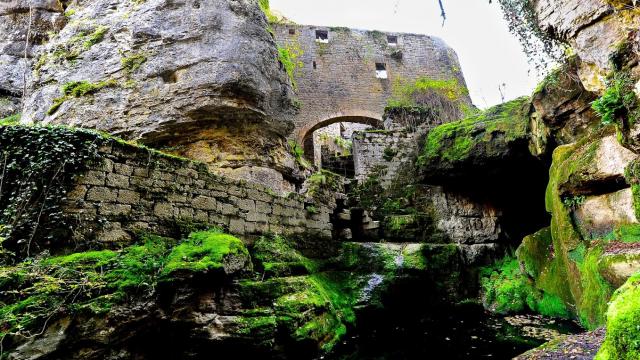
point(580, 347)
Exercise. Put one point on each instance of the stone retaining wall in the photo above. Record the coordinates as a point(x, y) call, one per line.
point(131, 189)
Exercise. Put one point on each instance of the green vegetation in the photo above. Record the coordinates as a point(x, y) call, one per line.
point(133, 62)
point(389, 153)
point(622, 339)
point(533, 253)
point(618, 104)
point(575, 264)
point(447, 97)
point(323, 184)
point(72, 49)
point(76, 89)
point(596, 291)
point(453, 142)
point(573, 202)
point(507, 290)
point(292, 295)
point(276, 256)
point(10, 120)
point(298, 153)
point(550, 81)
point(627, 233)
point(289, 55)
point(632, 175)
point(95, 37)
point(203, 251)
point(538, 45)
point(96, 281)
point(266, 9)
point(35, 180)
point(343, 144)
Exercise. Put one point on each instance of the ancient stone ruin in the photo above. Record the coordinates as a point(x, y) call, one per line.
point(205, 179)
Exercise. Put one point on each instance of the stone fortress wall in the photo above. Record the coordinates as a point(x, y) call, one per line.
point(338, 78)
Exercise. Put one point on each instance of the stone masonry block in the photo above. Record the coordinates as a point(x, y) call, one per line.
point(102, 194)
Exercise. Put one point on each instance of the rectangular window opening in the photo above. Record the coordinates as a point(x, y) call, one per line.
point(392, 40)
point(381, 71)
point(315, 66)
point(292, 31)
point(322, 36)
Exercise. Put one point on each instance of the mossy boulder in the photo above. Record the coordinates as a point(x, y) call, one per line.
point(571, 264)
point(622, 339)
point(101, 283)
point(507, 289)
point(479, 144)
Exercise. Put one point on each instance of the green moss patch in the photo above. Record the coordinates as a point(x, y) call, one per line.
point(276, 256)
point(622, 339)
point(204, 251)
point(487, 134)
point(76, 89)
point(596, 291)
point(506, 289)
point(314, 309)
point(95, 281)
point(10, 120)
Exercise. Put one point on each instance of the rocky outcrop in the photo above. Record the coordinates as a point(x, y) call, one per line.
point(595, 29)
point(562, 107)
point(479, 144)
point(201, 79)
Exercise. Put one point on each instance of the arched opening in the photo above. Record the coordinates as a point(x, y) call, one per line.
point(327, 143)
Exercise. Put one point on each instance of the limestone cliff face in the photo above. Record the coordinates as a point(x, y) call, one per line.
point(592, 192)
point(593, 28)
point(199, 78)
point(15, 52)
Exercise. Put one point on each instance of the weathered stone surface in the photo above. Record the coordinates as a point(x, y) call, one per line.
point(562, 108)
point(618, 268)
point(601, 214)
point(15, 53)
point(596, 167)
point(338, 82)
point(201, 78)
point(593, 29)
point(567, 17)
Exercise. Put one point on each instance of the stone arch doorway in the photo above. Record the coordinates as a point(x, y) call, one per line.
point(360, 117)
point(306, 137)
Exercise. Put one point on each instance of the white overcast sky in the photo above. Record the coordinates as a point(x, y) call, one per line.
point(489, 54)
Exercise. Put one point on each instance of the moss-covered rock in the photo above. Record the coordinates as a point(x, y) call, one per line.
point(622, 340)
point(474, 143)
point(207, 251)
point(276, 256)
point(507, 289)
point(93, 282)
point(575, 273)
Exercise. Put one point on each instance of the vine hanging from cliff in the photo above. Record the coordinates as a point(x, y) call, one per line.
point(540, 47)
